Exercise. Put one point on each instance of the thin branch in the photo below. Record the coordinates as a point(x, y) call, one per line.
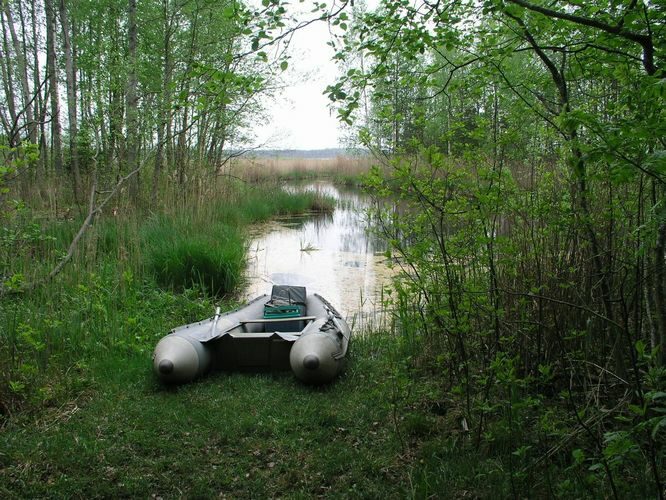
point(570, 304)
point(289, 32)
point(645, 41)
point(93, 210)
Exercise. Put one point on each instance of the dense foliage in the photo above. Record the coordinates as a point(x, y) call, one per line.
point(125, 83)
point(522, 140)
point(525, 143)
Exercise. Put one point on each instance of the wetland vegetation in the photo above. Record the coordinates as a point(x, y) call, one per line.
point(521, 147)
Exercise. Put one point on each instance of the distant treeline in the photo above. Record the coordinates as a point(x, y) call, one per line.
point(317, 154)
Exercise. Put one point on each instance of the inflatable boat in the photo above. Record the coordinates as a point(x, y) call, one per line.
point(289, 329)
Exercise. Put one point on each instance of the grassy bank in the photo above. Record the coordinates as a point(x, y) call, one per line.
point(384, 429)
point(134, 276)
point(376, 432)
point(82, 414)
point(128, 436)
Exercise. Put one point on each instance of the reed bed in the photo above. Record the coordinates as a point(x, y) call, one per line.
point(135, 274)
point(341, 169)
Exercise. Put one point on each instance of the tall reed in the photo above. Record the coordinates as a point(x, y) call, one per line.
point(136, 273)
point(341, 169)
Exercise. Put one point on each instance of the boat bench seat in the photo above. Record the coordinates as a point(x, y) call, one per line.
point(278, 325)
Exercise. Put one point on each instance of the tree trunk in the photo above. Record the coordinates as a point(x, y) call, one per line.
point(56, 131)
point(183, 142)
point(181, 150)
point(164, 121)
point(70, 76)
point(660, 279)
point(36, 95)
point(8, 83)
point(19, 53)
point(36, 82)
point(131, 104)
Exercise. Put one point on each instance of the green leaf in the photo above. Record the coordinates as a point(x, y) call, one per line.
point(637, 410)
point(284, 65)
point(16, 387)
point(513, 10)
point(660, 423)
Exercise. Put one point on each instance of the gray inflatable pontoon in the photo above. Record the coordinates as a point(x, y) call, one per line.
point(287, 329)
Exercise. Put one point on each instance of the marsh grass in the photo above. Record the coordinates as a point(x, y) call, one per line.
point(81, 414)
point(182, 255)
point(134, 276)
point(341, 169)
point(307, 247)
point(207, 248)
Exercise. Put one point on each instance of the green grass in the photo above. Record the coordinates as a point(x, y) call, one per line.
point(206, 247)
point(240, 435)
point(182, 255)
point(260, 203)
point(118, 290)
point(381, 429)
point(339, 178)
point(82, 415)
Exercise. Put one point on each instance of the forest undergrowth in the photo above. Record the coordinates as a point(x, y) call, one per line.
point(446, 402)
point(498, 300)
point(522, 145)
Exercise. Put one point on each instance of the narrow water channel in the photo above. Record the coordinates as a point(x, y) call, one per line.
point(333, 255)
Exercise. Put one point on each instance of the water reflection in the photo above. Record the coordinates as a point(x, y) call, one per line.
point(332, 255)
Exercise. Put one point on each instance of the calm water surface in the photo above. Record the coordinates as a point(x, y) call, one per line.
point(333, 255)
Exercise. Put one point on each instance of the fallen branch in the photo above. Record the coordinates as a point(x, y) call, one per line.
point(93, 210)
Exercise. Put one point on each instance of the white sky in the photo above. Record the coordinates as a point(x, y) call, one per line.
point(299, 117)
